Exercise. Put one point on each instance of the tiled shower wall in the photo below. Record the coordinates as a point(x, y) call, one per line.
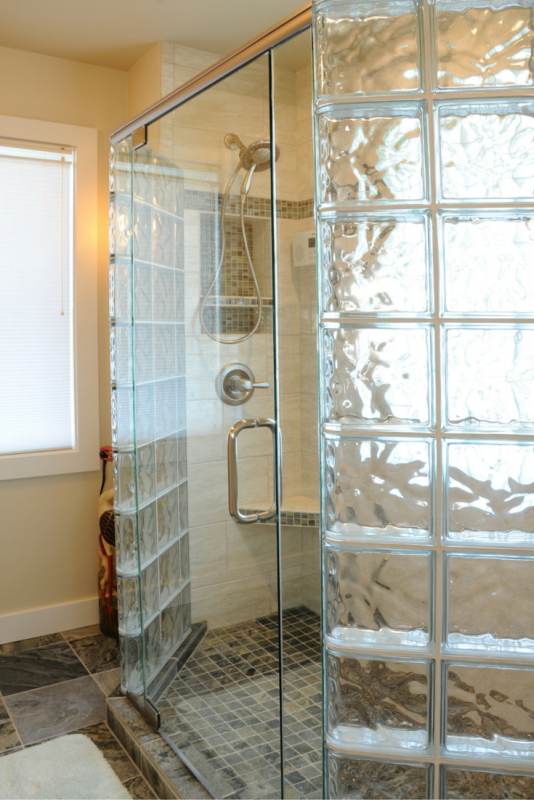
point(147, 346)
point(233, 567)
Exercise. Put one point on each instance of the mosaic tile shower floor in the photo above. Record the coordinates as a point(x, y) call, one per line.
point(222, 709)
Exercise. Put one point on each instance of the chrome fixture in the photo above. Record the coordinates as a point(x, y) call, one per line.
point(255, 157)
point(235, 384)
point(233, 482)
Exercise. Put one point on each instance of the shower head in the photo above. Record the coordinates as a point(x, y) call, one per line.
point(257, 154)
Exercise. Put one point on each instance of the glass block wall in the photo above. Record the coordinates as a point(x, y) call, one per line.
point(424, 143)
point(147, 345)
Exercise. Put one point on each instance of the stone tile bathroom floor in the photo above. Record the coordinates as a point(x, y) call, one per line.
point(222, 709)
point(58, 684)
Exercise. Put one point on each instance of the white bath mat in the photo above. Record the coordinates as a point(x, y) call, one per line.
point(69, 767)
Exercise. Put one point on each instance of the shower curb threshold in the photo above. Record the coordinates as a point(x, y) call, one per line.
point(166, 773)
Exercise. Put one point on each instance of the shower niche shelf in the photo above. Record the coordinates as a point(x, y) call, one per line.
point(299, 510)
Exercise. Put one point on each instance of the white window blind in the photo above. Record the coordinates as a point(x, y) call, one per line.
point(36, 290)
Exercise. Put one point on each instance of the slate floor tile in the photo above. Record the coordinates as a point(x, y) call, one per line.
point(43, 666)
point(53, 710)
point(99, 653)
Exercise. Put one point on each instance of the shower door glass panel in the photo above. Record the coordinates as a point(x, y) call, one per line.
point(425, 193)
point(199, 252)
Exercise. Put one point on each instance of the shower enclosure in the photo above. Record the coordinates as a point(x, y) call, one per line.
point(214, 386)
point(415, 340)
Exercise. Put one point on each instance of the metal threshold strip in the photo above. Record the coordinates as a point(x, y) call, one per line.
point(288, 27)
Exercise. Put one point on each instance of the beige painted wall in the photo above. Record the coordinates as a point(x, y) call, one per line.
point(48, 526)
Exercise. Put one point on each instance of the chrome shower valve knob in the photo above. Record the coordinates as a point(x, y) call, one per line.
point(235, 384)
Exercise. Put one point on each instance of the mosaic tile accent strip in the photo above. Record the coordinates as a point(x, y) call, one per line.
point(222, 709)
point(196, 200)
point(300, 519)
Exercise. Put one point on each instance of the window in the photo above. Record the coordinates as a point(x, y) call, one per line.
point(48, 335)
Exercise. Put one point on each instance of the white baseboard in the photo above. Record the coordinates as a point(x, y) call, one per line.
point(52, 619)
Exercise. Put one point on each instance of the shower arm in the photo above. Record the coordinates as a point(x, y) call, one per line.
point(244, 192)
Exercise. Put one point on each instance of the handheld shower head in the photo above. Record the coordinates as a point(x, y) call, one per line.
point(257, 153)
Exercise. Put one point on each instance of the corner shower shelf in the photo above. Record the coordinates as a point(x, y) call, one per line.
point(298, 510)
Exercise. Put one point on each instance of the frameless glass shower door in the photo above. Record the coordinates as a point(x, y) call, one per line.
point(425, 185)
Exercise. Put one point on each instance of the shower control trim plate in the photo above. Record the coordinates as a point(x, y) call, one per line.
point(235, 384)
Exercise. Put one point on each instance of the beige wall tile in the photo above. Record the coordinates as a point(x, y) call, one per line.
point(310, 475)
point(198, 60)
point(291, 588)
point(308, 364)
point(311, 590)
point(251, 549)
point(224, 604)
point(167, 52)
point(207, 432)
point(207, 554)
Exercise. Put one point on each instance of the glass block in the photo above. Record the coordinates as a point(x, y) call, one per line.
point(489, 377)
point(488, 496)
point(167, 506)
point(122, 291)
point(124, 480)
point(379, 703)
point(376, 264)
point(122, 433)
point(489, 604)
point(460, 783)
point(142, 292)
point(179, 254)
point(120, 222)
point(126, 541)
point(123, 166)
point(131, 656)
point(486, 150)
point(166, 463)
point(163, 228)
point(164, 308)
point(171, 625)
point(164, 351)
point(164, 185)
point(487, 263)
point(378, 376)
point(367, 48)
point(111, 169)
point(375, 779)
point(153, 654)
point(146, 473)
point(179, 280)
point(148, 532)
point(182, 455)
point(143, 175)
point(142, 232)
point(186, 608)
point(169, 572)
point(372, 154)
point(150, 590)
point(111, 224)
point(120, 354)
point(184, 556)
point(484, 44)
point(180, 404)
point(144, 412)
point(183, 510)
point(144, 352)
point(379, 598)
point(180, 349)
point(128, 603)
point(379, 489)
point(165, 407)
point(487, 710)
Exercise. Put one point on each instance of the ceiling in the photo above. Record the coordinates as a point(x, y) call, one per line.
point(116, 33)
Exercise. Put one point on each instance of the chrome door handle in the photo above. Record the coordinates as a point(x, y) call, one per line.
point(233, 480)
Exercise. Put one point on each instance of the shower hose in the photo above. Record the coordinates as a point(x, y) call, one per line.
point(244, 192)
